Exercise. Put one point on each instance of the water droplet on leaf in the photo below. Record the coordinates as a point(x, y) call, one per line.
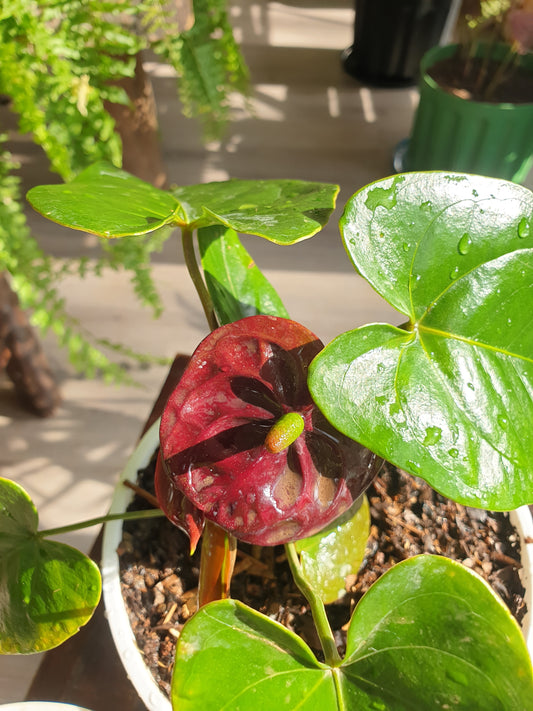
point(458, 676)
point(502, 421)
point(454, 273)
point(454, 453)
point(524, 228)
point(464, 244)
point(433, 435)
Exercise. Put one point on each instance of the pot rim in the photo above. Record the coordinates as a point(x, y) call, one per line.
point(116, 613)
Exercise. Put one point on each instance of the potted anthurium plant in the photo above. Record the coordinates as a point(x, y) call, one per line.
point(272, 438)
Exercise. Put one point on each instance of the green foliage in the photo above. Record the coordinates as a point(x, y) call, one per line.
point(60, 61)
point(35, 277)
point(329, 557)
point(237, 286)
point(48, 590)
point(447, 396)
point(420, 638)
point(56, 61)
point(206, 58)
point(281, 211)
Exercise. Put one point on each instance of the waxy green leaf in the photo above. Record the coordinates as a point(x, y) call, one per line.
point(48, 590)
point(106, 201)
point(329, 557)
point(432, 634)
point(110, 202)
point(237, 286)
point(282, 211)
point(428, 634)
point(447, 397)
point(230, 657)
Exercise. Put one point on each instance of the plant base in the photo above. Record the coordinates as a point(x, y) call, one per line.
point(159, 577)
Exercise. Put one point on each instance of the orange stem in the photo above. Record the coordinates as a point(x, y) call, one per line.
point(219, 550)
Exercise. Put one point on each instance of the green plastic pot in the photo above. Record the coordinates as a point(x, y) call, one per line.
point(456, 134)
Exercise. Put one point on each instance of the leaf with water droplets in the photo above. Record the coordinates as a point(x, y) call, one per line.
point(110, 202)
point(48, 590)
point(464, 363)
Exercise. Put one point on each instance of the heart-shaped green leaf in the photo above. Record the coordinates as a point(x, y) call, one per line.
point(448, 397)
point(330, 556)
point(428, 634)
point(282, 211)
point(106, 201)
point(48, 590)
point(432, 634)
point(237, 286)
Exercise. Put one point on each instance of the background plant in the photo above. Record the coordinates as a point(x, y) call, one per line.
point(489, 23)
point(60, 65)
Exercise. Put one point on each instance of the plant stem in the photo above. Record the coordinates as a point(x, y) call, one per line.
point(331, 653)
point(196, 276)
point(509, 62)
point(217, 560)
point(125, 516)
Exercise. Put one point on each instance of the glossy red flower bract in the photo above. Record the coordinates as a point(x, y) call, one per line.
point(241, 380)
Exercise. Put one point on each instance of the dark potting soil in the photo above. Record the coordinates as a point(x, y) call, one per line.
point(159, 577)
point(479, 80)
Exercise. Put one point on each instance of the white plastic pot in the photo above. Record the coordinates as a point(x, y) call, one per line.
point(522, 520)
point(117, 616)
point(121, 631)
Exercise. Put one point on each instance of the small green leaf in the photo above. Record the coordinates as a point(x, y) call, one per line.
point(282, 211)
point(432, 634)
point(237, 286)
point(106, 201)
point(447, 398)
point(48, 590)
point(330, 556)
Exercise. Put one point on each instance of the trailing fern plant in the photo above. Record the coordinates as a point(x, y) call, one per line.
point(60, 61)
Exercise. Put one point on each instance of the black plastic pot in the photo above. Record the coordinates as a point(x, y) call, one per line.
point(391, 37)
